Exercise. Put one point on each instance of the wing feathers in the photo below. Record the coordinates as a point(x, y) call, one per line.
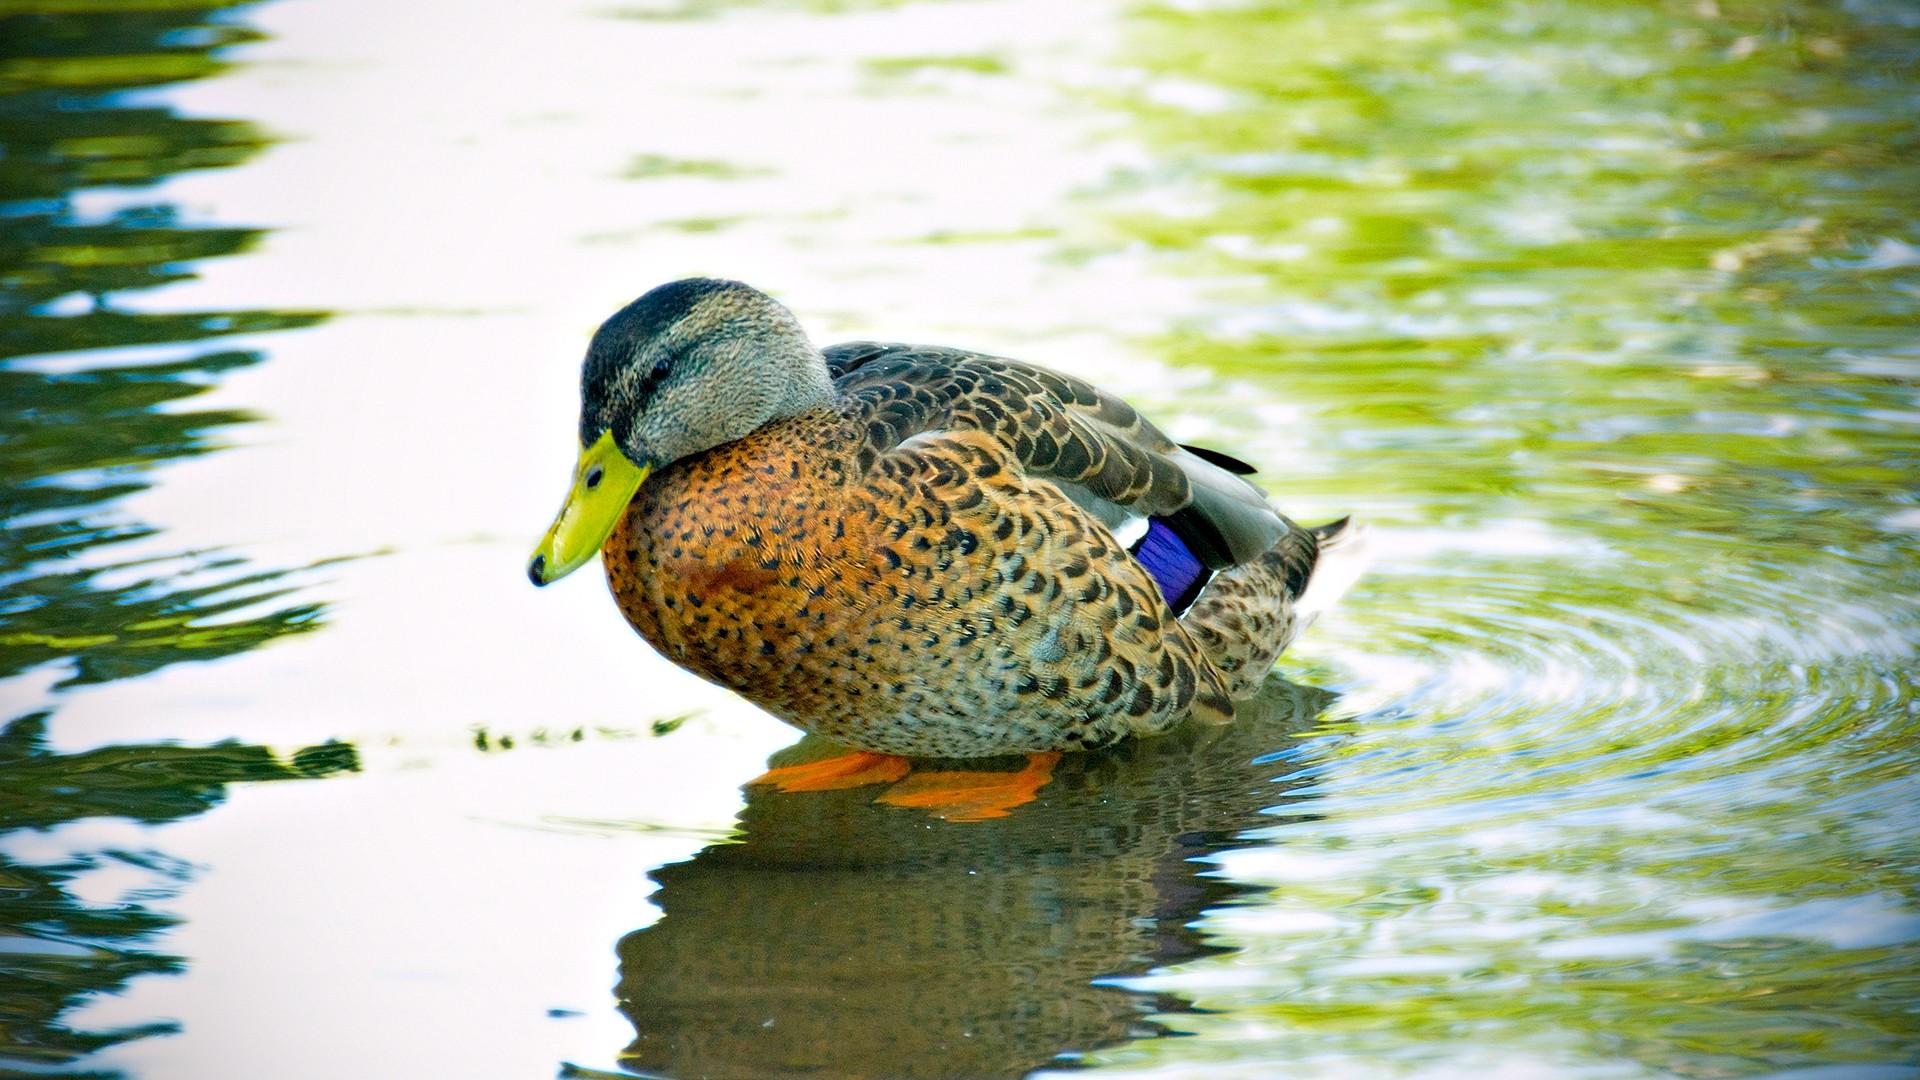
point(1226, 461)
point(1094, 444)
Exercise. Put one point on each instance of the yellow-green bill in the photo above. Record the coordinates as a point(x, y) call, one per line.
point(603, 484)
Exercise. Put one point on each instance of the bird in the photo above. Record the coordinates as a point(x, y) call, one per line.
point(918, 552)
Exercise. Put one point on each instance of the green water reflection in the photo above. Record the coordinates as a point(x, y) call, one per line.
point(78, 434)
point(56, 950)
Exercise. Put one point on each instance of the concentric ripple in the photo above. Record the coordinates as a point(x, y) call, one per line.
point(1671, 837)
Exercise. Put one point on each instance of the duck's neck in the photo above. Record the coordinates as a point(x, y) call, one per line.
point(808, 387)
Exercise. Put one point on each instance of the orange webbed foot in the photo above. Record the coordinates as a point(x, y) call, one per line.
point(857, 769)
point(973, 796)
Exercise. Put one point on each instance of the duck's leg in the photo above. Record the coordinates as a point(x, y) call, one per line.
point(973, 796)
point(857, 769)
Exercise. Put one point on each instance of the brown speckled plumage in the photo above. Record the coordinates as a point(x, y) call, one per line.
point(920, 567)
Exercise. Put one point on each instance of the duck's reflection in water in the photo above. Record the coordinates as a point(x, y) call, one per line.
point(837, 937)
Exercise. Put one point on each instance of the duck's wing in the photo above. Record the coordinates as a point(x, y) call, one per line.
point(1100, 452)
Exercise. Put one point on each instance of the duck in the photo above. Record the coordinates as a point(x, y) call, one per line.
point(921, 553)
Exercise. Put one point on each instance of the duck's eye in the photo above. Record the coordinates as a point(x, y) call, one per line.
point(660, 368)
point(593, 477)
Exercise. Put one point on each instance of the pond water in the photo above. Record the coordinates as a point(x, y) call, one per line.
point(1602, 314)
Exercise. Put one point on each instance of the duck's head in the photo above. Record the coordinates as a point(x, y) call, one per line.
point(687, 367)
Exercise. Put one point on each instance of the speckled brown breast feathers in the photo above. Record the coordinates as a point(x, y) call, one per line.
point(908, 569)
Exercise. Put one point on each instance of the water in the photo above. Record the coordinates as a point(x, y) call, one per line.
point(1603, 315)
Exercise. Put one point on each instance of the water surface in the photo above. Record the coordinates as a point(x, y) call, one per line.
point(1603, 315)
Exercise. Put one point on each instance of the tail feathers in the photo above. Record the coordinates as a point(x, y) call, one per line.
point(1211, 705)
point(1344, 556)
point(1249, 614)
point(1333, 531)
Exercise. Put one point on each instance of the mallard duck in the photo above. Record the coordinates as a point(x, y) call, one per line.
point(919, 552)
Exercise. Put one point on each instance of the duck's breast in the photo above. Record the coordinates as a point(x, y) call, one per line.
point(732, 564)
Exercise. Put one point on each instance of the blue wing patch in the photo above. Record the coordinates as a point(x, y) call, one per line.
point(1172, 565)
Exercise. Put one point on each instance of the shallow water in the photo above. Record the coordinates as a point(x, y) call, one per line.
point(1602, 315)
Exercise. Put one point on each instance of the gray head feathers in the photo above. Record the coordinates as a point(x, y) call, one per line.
point(694, 364)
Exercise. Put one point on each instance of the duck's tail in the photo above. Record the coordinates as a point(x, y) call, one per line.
point(1250, 613)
